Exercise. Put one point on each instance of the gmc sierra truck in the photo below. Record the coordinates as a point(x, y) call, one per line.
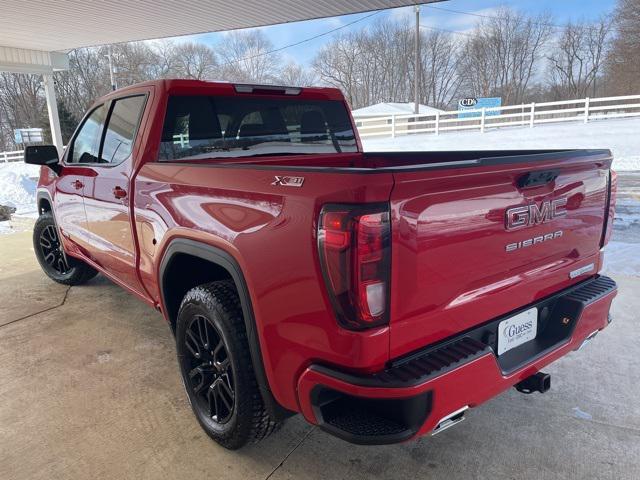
point(380, 295)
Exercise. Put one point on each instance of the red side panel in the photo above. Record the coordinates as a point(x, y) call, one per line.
point(271, 232)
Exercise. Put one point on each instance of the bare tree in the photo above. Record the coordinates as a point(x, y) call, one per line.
point(246, 58)
point(86, 80)
point(503, 54)
point(297, 75)
point(165, 65)
point(133, 62)
point(623, 60)
point(576, 61)
point(195, 60)
point(376, 65)
point(370, 66)
point(440, 63)
point(337, 64)
point(22, 105)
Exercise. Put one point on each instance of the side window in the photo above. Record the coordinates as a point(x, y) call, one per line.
point(191, 127)
point(121, 129)
point(87, 143)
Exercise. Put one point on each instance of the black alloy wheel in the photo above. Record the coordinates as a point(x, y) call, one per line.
point(217, 368)
point(50, 254)
point(52, 251)
point(210, 372)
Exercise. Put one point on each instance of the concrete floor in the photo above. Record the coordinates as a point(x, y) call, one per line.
point(89, 388)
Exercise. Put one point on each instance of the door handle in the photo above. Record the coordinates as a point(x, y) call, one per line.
point(77, 184)
point(119, 192)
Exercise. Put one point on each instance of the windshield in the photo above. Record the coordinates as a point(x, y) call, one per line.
point(200, 127)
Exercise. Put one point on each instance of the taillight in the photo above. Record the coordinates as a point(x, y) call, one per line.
point(354, 248)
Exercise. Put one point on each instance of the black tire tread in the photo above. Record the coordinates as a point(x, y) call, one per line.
point(222, 296)
point(80, 272)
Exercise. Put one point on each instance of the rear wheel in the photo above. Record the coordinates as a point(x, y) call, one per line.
point(48, 249)
point(216, 368)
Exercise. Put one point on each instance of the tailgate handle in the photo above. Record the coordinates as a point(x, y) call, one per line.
point(533, 179)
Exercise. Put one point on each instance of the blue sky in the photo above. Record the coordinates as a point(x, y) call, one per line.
point(281, 35)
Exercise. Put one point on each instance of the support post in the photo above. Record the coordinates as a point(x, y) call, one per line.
point(482, 119)
point(393, 126)
point(416, 86)
point(111, 76)
point(586, 110)
point(532, 120)
point(437, 123)
point(52, 109)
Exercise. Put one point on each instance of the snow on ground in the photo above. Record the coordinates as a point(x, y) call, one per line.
point(621, 136)
point(18, 182)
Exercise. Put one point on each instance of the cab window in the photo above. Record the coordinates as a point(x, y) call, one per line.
point(86, 145)
point(121, 129)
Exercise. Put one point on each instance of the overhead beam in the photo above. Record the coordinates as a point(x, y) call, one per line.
point(22, 60)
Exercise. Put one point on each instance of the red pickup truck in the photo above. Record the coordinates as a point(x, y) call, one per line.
point(380, 295)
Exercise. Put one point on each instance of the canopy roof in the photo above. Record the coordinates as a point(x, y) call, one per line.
point(66, 24)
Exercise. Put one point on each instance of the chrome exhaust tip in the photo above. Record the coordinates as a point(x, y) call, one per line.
point(587, 340)
point(450, 420)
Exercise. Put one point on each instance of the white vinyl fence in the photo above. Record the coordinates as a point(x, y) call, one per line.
point(16, 156)
point(531, 114)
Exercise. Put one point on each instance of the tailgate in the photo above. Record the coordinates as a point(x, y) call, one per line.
point(478, 241)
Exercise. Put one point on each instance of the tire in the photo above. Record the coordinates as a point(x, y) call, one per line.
point(48, 249)
point(219, 379)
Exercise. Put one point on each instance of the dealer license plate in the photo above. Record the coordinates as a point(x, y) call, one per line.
point(516, 330)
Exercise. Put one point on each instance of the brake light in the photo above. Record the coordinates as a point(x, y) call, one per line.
point(354, 250)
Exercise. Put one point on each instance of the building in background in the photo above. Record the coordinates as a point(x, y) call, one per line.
point(386, 113)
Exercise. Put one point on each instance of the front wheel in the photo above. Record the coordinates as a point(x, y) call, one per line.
point(214, 358)
point(52, 260)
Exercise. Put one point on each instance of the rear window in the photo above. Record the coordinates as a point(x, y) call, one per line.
point(200, 127)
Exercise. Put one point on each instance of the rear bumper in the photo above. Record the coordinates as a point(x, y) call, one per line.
point(412, 396)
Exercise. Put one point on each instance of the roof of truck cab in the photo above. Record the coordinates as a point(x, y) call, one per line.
point(202, 87)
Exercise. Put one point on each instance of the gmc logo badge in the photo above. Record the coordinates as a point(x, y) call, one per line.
point(528, 215)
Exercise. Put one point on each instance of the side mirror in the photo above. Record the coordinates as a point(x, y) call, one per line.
point(46, 155)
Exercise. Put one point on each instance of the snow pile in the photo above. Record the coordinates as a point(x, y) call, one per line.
point(18, 182)
point(620, 136)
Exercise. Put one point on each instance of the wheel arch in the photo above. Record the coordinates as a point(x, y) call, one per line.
point(44, 202)
point(221, 259)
